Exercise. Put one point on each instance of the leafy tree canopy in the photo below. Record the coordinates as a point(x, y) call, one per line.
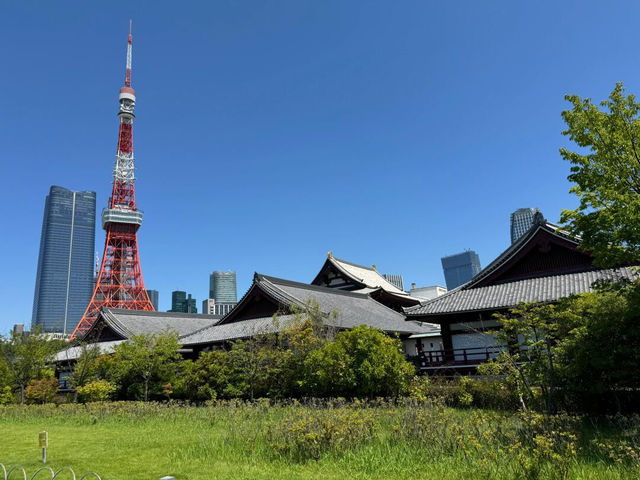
point(606, 174)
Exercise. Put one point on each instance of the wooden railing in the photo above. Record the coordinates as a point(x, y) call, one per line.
point(456, 357)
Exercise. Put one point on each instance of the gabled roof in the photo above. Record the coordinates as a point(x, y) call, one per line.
point(509, 295)
point(341, 309)
point(364, 280)
point(541, 236)
point(359, 274)
point(124, 324)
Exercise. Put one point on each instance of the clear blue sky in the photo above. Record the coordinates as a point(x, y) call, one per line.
point(269, 132)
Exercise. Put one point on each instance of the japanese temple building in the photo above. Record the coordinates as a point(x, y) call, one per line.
point(544, 265)
point(362, 297)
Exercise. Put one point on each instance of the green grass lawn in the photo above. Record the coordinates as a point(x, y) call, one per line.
point(140, 442)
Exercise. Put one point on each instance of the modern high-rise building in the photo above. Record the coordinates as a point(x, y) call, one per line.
point(395, 280)
point(222, 287)
point(522, 221)
point(183, 302)
point(153, 296)
point(460, 268)
point(190, 305)
point(178, 298)
point(64, 278)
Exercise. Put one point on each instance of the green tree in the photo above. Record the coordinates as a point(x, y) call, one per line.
point(42, 391)
point(579, 353)
point(606, 173)
point(85, 368)
point(206, 378)
point(256, 366)
point(147, 361)
point(362, 362)
point(27, 357)
point(598, 351)
point(301, 339)
point(528, 360)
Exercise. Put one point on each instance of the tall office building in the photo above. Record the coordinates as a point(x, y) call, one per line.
point(153, 296)
point(178, 298)
point(395, 280)
point(64, 278)
point(521, 222)
point(183, 302)
point(460, 268)
point(222, 287)
point(190, 305)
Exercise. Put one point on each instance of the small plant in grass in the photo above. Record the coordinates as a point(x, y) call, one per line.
point(310, 434)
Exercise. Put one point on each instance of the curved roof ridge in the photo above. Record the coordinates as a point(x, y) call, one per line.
point(285, 295)
point(116, 325)
point(308, 286)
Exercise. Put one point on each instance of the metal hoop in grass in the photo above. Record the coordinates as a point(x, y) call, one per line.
point(41, 469)
point(90, 473)
point(7, 473)
point(69, 469)
point(4, 471)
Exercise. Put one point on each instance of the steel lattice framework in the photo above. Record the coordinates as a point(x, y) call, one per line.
point(120, 283)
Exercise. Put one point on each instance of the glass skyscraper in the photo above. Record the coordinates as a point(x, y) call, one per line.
point(153, 296)
point(64, 279)
point(178, 297)
point(222, 287)
point(521, 222)
point(460, 268)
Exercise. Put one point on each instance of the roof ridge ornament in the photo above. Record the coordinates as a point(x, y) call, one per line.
point(329, 254)
point(538, 219)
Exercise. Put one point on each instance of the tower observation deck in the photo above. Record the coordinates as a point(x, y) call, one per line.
point(120, 283)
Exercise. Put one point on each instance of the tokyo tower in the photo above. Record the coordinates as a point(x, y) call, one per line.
point(120, 283)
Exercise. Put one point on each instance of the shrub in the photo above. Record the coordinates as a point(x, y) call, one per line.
point(42, 391)
point(6, 395)
point(464, 392)
point(362, 362)
point(96, 391)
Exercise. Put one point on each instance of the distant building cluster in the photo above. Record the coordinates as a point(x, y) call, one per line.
point(183, 302)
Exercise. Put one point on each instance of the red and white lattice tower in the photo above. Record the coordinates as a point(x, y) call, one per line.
point(120, 283)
